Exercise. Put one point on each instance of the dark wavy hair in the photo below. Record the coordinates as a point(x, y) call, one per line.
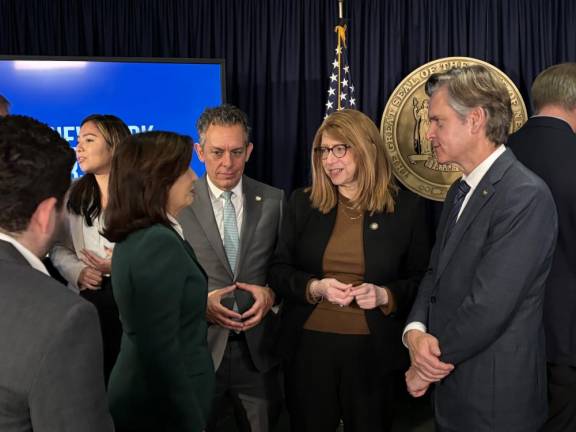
point(143, 170)
point(85, 196)
point(35, 164)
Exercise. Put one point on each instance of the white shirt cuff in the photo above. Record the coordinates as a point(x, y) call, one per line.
point(414, 325)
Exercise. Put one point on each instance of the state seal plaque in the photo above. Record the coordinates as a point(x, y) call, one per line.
point(405, 123)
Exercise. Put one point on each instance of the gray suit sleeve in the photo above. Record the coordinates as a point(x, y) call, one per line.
point(68, 392)
point(515, 256)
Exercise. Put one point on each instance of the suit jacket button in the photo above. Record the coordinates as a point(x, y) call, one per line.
point(433, 299)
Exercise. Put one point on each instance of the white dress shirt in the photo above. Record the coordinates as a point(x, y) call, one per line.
point(218, 205)
point(32, 259)
point(473, 179)
point(176, 225)
point(476, 175)
point(94, 241)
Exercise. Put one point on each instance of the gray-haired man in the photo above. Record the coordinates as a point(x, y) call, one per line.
point(233, 226)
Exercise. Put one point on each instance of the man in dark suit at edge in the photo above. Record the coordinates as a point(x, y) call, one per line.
point(50, 350)
point(233, 226)
point(476, 328)
point(547, 145)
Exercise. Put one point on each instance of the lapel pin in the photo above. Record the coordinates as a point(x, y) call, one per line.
point(373, 226)
point(258, 198)
point(484, 192)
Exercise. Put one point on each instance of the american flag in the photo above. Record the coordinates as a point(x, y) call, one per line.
point(341, 92)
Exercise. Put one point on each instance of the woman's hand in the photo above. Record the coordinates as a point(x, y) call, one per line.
point(89, 278)
point(370, 296)
point(332, 290)
point(91, 259)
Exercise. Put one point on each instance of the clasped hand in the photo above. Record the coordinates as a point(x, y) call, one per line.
point(90, 277)
point(366, 295)
point(426, 367)
point(218, 314)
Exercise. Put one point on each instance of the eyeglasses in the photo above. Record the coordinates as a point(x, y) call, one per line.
point(339, 151)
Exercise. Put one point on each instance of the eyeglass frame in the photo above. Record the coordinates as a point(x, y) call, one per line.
point(324, 151)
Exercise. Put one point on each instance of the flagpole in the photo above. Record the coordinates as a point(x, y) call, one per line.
point(340, 16)
point(341, 89)
point(339, 52)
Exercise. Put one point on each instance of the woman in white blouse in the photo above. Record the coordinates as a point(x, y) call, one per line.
point(83, 255)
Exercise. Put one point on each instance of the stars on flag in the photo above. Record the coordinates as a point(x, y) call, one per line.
point(341, 93)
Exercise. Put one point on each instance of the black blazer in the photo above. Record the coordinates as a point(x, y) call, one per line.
point(547, 146)
point(396, 249)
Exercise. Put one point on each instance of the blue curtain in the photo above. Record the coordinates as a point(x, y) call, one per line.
point(278, 52)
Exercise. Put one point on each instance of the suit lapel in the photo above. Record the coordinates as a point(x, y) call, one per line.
point(482, 194)
point(252, 213)
point(202, 208)
point(444, 216)
point(250, 218)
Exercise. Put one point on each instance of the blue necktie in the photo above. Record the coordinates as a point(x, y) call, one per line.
point(231, 240)
point(462, 190)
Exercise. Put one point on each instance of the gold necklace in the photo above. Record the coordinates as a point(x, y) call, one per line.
point(358, 214)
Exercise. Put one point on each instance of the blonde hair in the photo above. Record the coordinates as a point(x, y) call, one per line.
point(376, 188)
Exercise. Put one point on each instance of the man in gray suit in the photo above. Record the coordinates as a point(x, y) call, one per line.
point(50, 350)
point(233, 226)
point(476, 327)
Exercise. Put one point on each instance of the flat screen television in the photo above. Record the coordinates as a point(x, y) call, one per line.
point(148, 94)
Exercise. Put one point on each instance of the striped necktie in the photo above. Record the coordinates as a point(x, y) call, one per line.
point(231, 240)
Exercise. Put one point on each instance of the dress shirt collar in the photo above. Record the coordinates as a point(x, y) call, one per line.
point(476, 175)
point(216, 192)
point(32, 259)
point(175, 225)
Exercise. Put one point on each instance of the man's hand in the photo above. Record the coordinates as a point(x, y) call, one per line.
point(332, 290)
point(218, 314)
point(89, 278)
point(416, 386)
point(370, 296)
point(424, 353)
point(263, 300)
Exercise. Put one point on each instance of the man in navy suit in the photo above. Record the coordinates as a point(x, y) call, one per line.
point(476, 327)
point(547, 145)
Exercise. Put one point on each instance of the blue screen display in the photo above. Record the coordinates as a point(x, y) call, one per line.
point(147, 95)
